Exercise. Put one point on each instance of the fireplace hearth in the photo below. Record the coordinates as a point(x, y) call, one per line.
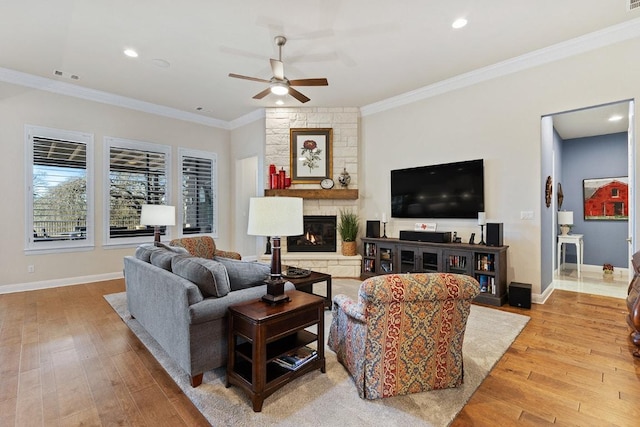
point(319, 235)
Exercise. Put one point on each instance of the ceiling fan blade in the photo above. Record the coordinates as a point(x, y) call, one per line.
point(309, 82)
point(255, 79)
point(297, 95)
point(278, 69)
point(262, 94)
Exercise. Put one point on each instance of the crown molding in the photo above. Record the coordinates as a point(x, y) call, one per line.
point(68, 89)
point(247, 118)
point(598, 39)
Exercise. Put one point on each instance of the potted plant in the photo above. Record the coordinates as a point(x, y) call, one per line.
point(348, 229)
point(607, 270)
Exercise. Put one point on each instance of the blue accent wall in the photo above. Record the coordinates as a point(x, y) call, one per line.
point(603, 156)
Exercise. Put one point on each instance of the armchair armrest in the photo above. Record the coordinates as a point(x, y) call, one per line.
point(228, 254)
point(350, 307)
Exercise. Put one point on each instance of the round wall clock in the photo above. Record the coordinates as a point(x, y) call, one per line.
point(548, 191)
point(326, 183)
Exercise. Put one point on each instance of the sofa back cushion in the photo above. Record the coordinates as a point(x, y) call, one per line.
point(144, 251)
point(162, 258)
point(210, 276)
point(244, 274)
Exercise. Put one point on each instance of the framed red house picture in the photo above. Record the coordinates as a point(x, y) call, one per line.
point(606, 199)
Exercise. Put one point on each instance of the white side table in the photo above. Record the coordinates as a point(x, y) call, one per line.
point(573, 239)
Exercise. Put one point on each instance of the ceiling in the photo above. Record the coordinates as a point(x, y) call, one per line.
point(369, 50)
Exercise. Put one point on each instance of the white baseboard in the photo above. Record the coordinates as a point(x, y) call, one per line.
point(46, 284)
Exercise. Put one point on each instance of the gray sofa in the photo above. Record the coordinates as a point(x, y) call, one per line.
point(182, 302)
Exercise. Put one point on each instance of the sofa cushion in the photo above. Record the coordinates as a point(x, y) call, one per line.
point(162, 258)
point(143, 252)
point(244, 274)
point(210, 276)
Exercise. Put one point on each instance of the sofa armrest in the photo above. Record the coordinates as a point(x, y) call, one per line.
point(216, 308)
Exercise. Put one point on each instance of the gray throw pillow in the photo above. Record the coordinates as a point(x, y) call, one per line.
point(210, 276)
point(144, 251)
point(244, 274)
point(162, 258)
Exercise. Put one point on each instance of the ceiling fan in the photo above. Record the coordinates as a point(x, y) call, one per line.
point(279, 84)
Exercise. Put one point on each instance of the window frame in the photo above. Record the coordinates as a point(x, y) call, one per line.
point(56, 246)
point(204, 155)
point(110, 142)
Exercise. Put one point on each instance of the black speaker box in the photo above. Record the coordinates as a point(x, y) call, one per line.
point(520, 295)
point(373, 228)
point(494, 234)
point(426, 236)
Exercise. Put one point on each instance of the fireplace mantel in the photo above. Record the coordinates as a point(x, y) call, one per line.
point(343, 194)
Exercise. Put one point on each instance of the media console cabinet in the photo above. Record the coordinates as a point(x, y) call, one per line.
point(487, 264)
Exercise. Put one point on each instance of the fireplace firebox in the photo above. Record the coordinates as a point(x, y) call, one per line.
point(319, 235)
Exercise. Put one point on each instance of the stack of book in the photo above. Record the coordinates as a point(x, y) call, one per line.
point(297, 358)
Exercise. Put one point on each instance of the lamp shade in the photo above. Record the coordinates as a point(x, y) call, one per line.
point(275, 216)
point(565, 218)
point(482, 218)
point(158, 215)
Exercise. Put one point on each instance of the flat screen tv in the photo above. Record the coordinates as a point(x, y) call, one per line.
point(450, 190)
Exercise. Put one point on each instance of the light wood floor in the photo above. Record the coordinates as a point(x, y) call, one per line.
point(66, 358)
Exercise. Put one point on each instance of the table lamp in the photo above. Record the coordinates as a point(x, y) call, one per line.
point(275, 217)
point(157, 215)
point(565, 220)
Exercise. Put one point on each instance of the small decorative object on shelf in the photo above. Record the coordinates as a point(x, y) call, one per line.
point(384, 225)
point(344, 179)
point(607, 272)
point(482, 221)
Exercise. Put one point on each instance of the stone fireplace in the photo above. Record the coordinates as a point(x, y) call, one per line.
point(344, 123)
point(319, 235)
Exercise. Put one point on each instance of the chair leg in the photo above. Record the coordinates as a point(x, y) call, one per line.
point(196, 380)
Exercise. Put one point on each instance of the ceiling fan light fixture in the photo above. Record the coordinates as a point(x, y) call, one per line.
point(279, 89)
point(459, 23)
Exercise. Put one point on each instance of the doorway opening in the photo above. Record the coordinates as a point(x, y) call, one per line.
point(580, 147)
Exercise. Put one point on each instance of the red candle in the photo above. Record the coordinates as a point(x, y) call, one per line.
point(287, 181)
point(281, 178)
point(274, 181)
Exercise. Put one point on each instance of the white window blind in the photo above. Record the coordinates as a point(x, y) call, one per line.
point(198, 195)
point(138, 175)
point(60, 202)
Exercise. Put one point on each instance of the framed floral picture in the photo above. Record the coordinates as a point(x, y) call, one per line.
point(311, 155)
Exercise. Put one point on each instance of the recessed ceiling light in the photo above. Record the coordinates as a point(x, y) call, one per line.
point(459, 23)
point(162, 63)
point(615, 118)
point(131, 53)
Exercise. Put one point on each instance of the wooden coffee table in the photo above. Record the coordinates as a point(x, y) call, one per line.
point(267, 332)
point(305, 284)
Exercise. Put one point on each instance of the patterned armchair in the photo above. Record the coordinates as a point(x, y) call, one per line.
point(404, 334)
point(203, 247)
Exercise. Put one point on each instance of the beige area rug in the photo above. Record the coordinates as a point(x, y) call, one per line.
point(331, 399)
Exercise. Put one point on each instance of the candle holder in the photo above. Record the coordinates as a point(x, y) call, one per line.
point(482, 220)
point(384, 230)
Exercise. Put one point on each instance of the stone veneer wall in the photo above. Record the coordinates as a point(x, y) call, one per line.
point(344, 122)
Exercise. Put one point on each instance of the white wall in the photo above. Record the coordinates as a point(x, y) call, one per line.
point(20, 106)
point(247, 142)
point(498, 120)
